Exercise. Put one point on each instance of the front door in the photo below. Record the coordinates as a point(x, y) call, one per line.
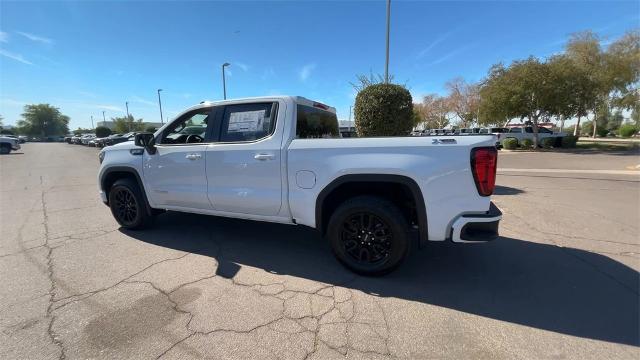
point(244, 167)
point(176, 173)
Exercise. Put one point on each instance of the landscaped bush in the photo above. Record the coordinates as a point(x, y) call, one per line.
point(384, 110)
point(569, 141)
point(526, 143)
point(602, 131)
point(102, 131)
point(510, 143)
point(150, 129)
point(547, 143)
point(627, 130)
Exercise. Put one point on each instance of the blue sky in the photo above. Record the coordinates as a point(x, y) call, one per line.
point(86, 57)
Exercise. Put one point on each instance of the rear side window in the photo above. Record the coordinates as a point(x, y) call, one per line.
point(315, 123)
point(248, 122)
point(515, 130)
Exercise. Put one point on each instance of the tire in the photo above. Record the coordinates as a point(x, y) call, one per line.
point(5, 149)
point(128, 205)
point(354, 219)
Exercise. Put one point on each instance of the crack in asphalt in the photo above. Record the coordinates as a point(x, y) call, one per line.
point(50, 276)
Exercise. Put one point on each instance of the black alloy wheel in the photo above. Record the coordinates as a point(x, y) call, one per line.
point(366, 238)
point(125, 206)
point(369, 235)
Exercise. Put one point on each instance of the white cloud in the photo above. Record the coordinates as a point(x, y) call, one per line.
point(433, 44)
point(140, 100)
point(305, 72)
point(109, 107)
point(4, 37)
point(451, 54)
point(242, 66)
point(16, 57)
point(268, 73)
point(36, 38)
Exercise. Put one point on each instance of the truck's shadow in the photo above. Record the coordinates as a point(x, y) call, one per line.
point(564, 290)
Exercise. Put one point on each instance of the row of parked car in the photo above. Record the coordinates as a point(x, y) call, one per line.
point(93, 140)
point(517, 132)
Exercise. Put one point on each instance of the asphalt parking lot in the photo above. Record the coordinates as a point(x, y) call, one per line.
point(561, 282)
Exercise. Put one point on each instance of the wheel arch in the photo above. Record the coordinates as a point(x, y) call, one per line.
point(360, 184)
point(113, 174)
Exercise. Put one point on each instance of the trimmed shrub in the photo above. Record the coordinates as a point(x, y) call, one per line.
point(569, 141)
point(102, 131)
point(384, 110)
point(602, 131)
point(526, 143)
point(547, 143)
point(510, 143)
point(627, 130)
point(150, 129)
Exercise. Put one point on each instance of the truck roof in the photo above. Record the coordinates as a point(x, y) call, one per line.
point(297, 99)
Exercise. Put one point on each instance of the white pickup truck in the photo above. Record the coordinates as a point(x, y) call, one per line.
point(280, 159)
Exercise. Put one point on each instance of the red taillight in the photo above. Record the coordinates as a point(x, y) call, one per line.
point(484, 162)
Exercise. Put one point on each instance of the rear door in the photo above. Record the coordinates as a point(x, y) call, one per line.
point(244, 168)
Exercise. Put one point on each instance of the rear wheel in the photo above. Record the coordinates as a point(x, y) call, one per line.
point(5, 148)
point(369, 235)
point(128, 205)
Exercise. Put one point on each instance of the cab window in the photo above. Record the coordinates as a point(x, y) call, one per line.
point(248, 122)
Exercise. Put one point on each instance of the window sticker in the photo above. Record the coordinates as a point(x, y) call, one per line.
point(246, 121)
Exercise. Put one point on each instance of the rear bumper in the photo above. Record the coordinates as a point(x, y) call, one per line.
point(471, 228)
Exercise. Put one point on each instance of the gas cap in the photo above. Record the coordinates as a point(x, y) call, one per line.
point(305, 179)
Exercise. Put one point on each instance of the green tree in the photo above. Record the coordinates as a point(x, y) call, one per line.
point(43, 120)
point(523, 90)
point(103, 131)
point(384, 110)
point(150, 129)
point(127, 124)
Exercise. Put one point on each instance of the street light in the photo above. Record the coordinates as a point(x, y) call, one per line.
point(103, 118)
point(224, 82)
point(386, 64)
point(93, 127)
point(160, 104)
point(126, 104)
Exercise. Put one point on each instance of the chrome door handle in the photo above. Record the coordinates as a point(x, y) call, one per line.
point(193, 156)
point(263, 157)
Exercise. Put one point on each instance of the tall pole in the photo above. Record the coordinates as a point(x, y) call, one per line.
point(126, 104)
point(224, 82)
point(386, 64)
point(160, 104)
point(93, 127)
point(103, 118)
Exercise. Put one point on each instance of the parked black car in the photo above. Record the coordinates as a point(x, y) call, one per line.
point(120, 138)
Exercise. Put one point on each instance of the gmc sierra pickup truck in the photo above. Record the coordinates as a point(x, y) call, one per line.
point(280, 159)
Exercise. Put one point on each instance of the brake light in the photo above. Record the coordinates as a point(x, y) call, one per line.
point(484, 162)
point(320, 106)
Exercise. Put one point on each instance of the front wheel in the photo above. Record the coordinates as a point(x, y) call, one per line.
point(5, 149)
point(128, 205)
point(369, 235)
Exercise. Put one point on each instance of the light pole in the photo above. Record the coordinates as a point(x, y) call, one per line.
point(93, 127)
point(103, 118)
point(160, 104)
point(386, 64)
point(126, 104)
point(224, 81)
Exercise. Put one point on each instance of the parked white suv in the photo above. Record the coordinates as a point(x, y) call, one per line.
point(8, 143)
point(279, 159)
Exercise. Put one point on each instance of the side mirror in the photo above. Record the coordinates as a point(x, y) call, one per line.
point(147, 141)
